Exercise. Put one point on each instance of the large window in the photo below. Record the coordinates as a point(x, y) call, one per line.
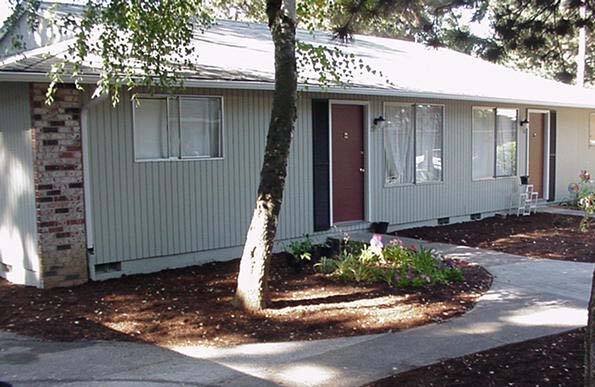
point(413, 143)
point(494, 149)
point(592, 130)
point(181, 127)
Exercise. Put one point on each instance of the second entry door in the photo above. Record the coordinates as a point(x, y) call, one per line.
point(536, 150)
point(347, 162)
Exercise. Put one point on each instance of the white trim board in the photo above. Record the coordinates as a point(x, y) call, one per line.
point(19, 76)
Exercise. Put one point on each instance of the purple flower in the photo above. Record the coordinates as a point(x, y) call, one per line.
point(396, 242)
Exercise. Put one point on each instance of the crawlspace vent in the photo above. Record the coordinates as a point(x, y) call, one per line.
point(108, 267)
point(443, 221)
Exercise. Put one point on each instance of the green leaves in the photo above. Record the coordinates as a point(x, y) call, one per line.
point(331, 65)
point(302, 250)
point(133, 43)
point(395, 264)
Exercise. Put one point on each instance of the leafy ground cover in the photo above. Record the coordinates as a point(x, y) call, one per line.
point(539, 235)
point(551, 361)
point(193, 306)
point(391, 262)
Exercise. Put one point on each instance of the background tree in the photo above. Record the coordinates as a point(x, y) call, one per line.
point(543, 36)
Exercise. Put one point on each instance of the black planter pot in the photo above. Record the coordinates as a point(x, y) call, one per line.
point(379, 227)
point(320, 251)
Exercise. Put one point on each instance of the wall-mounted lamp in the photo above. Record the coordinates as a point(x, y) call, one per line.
point(378, 121)
point(524, 122)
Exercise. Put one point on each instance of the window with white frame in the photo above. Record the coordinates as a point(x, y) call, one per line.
point(413, 143)
point(592, 130)
point(178, 127)
point(494, 142)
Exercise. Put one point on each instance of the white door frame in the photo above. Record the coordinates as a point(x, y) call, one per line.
point(366, 138)
point(546, 148)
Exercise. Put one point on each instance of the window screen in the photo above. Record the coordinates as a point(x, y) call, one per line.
point(506, 142)
point(170, 128)
point(150, 129)
point(483, 142)
point(399, 143)
point(428, 143)
point(199, 127)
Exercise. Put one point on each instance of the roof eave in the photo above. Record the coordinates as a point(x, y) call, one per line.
point(19, 76)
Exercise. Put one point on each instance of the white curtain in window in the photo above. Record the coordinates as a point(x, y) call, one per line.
point(428, 143)
point(506, 142)
point(398, 143)
point(199, 127)
point(483, 153)
point(174, 126)
point(150, 129)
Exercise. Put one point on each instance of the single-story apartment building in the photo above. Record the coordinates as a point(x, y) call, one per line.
point(89, 190)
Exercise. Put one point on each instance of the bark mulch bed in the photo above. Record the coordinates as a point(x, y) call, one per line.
point(193, 306)
point(539, 235)
point(548, 361)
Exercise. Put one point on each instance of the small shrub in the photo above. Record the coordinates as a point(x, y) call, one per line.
point(326, 265)
point(585, 198)
point(302, 250)
point(395, 264)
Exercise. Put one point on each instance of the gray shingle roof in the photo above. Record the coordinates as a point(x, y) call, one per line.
point(243, 53)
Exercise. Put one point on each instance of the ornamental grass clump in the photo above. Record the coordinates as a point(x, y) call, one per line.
point(393, 263)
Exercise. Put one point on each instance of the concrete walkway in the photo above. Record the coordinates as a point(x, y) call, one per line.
point(529, 298)
point(561, 211)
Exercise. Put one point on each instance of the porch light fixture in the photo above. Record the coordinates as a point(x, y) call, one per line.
point(524, 122)
point(378, 121)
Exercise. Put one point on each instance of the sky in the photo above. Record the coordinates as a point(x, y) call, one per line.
point(482, 29)
point(4, 10)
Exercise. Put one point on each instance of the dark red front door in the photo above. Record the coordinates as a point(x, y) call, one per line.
point(348, 162)
point(536, 150)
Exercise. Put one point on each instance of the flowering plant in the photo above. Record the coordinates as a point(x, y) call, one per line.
point(586, 198)
point(392, 263)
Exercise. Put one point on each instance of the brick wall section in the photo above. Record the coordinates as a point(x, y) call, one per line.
point(58, 164)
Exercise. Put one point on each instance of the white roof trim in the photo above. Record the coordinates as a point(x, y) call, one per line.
point(10, 76)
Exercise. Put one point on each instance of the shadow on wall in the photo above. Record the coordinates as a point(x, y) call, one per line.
point(18, 250)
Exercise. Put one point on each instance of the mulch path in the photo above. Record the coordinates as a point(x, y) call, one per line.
point(193, 306)
point(548, 361)
point(539, 235)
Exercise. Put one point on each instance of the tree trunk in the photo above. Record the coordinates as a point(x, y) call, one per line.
point(589, 341)
point(582, 45)
point(252, 287)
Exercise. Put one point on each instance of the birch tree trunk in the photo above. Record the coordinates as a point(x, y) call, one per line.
point(589, 341)
point(252, 287)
